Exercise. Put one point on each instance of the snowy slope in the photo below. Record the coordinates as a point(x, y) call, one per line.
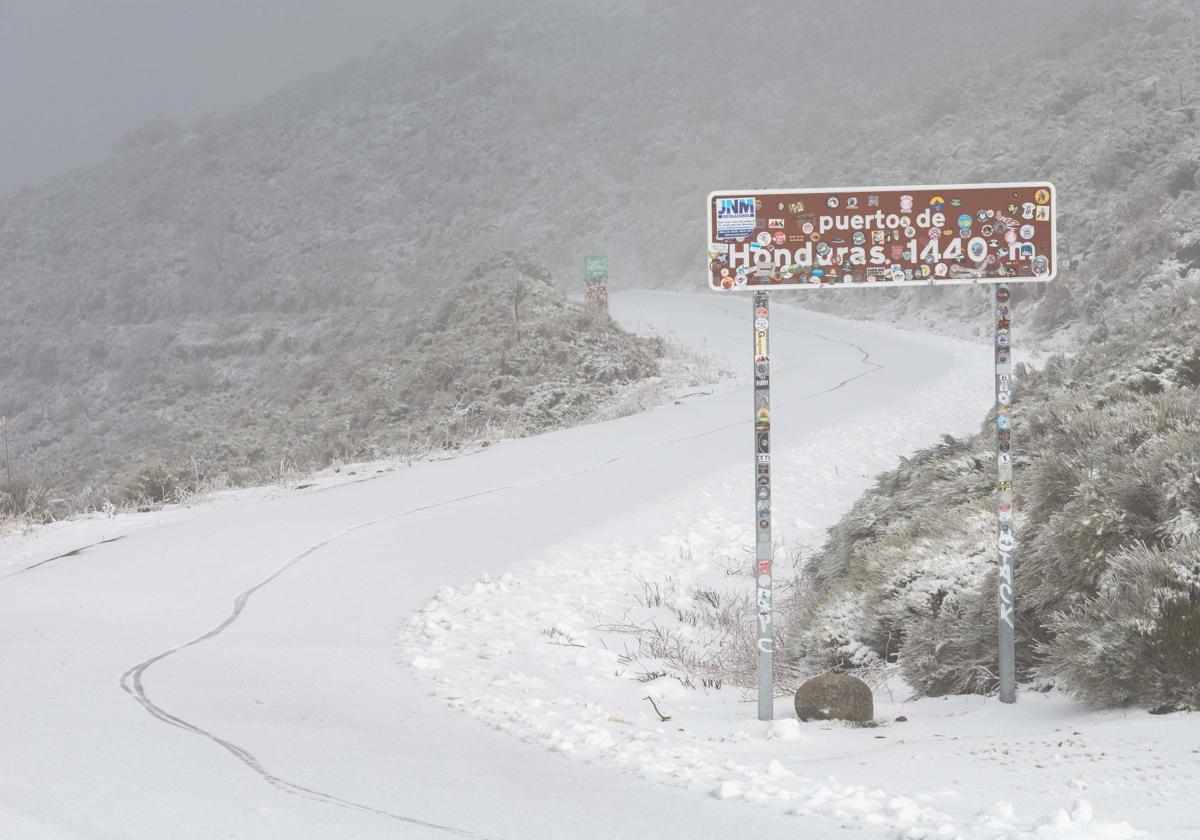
point(246, 670)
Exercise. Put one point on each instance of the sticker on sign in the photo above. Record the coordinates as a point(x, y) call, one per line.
point(940, 235)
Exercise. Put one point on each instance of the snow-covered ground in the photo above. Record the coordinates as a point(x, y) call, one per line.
point(297, 664)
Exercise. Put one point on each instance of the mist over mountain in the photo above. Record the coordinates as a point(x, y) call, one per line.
point(243, 262)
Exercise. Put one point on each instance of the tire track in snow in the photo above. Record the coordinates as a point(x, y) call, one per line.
point(132, 680)
point(75, 552)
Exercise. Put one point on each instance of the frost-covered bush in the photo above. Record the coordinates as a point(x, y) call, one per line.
point(949, 652)
point(1107, 464)
point(1137, 640)
point(928, 565)
point(156, 483)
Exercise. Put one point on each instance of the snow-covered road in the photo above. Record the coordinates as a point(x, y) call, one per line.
point(237, 673)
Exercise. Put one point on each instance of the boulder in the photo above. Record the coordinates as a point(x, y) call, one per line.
point(835, 697)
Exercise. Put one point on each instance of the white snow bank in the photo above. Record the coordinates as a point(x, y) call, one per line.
point(540, 652)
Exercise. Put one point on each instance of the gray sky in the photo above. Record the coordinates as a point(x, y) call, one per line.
point(75, 75)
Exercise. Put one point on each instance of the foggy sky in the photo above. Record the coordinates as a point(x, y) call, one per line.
point(76, 75)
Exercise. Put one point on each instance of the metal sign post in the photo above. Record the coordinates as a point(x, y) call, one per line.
point(1005, 538)
point(764, 549)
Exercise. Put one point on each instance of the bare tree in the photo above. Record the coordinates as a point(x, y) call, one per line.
point(520, 291)
point(5, 422)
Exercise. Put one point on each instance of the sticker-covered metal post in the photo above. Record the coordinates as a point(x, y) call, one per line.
point(764, 550)
point(1005, 535)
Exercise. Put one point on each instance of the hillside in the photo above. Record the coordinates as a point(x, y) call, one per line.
point(184, 401)
point(206, 293)
point(1106, 436)
point(1107, 477)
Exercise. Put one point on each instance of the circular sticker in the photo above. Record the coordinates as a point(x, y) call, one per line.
point(1027, 231)
point(832, 201)
point(780, 237)
point(1042, 196)
point(763, 239)
point(807, 228)
point(859, 238)
point(760, 324)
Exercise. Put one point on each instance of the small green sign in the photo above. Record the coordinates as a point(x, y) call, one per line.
point(595, 268)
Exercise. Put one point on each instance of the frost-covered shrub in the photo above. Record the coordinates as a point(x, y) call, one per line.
point(930, 565)
point(947, 652)
point(1138, 639)
point(830, 636)
point(1104, 464)
point(155, 483)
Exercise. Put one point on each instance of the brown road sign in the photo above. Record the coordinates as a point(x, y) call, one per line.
point(882, 236)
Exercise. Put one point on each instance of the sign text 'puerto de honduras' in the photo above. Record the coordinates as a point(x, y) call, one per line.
point(885, 236)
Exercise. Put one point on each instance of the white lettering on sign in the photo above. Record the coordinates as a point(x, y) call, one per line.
point(1006, 588)
point(975, 230)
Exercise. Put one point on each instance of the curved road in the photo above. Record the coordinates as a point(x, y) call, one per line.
point(235, 675)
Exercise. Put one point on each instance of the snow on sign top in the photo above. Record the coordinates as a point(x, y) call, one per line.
point(884, 236)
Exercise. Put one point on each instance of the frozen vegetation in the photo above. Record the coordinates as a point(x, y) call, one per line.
point(500, 353)
point(1108, 520)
